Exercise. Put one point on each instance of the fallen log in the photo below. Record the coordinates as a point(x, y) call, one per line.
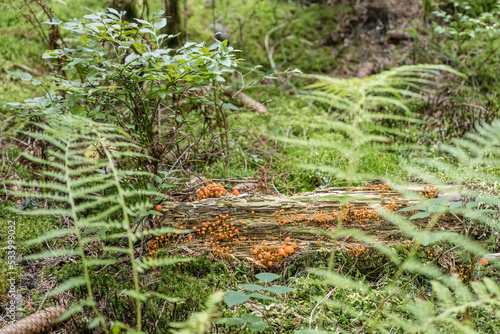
point(235, 226)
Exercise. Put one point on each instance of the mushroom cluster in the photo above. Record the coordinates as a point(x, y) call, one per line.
point(348, 213)
point(267, 254)
point(211, 190)
point(220, 236)
point(429, 192)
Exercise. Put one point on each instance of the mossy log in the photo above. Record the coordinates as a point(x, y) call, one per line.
point(259, 218)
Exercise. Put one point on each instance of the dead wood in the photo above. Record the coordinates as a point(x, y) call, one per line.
point(248, 101)
point(258, 218)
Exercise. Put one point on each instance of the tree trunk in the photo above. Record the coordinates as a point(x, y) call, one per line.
point(173, 21)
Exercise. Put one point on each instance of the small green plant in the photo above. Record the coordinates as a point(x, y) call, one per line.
point(255, 323)
point(171, 102)
point(93, 195)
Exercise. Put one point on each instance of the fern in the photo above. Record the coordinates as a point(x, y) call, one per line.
point(447, 310)
point(358, 105)
point(94, 195)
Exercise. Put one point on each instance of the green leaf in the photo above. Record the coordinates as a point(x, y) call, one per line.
point(160, 23)
point(456, 205)
point(251, 318)
point(279, 289)
point(96, 322)
point(436, 208)
point(255, 327)
point(226, 61)
point(229, 106)
point(414, 208)
point(252, 287)
point(261, 296)
point(420, 215)
point(471, 204)
point(136, 295)
point(155, 213)
point(69, 284)
point(232, 298)
point(22, 75)
point(143, 213)
point(267, 277)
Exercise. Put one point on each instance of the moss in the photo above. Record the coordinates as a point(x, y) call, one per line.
point(27, 228)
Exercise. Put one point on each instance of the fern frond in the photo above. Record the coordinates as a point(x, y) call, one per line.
point(94, 194)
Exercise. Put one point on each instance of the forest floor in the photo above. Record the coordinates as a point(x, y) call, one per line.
point(284, 187)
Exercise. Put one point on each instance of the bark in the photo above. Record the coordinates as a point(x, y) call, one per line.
point(173, 21)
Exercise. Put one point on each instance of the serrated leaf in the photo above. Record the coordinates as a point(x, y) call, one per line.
point(136, 295)
point(252, 287)
point(96, 322)
point(71, 310)
point(49, 235)
point(232, 298)
point(420, 215)
point(456, 205)
point(69, 284)
point(279, 289)
point(267, 277)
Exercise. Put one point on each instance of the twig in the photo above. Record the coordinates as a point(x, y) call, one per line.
point(318, 304)
point(159, 316)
